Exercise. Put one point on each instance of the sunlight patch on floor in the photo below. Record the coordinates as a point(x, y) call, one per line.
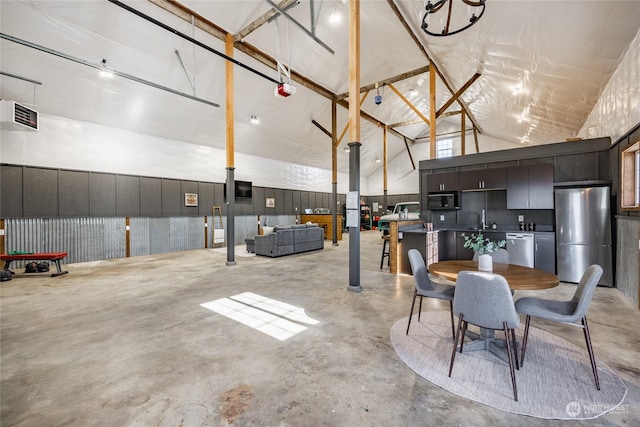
point(272, 317)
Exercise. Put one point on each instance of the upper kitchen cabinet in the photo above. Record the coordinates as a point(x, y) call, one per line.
point(444, 181)
point(483, 179)
point(530, 187)
point(576, 167)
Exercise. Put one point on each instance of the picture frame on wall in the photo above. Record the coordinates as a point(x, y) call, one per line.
point(190, 199)
point(270, 202)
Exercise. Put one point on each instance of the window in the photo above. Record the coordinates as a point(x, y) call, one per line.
point(630, 178)
point(444, 148)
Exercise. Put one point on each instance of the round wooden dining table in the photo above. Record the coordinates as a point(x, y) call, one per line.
point(519, 278)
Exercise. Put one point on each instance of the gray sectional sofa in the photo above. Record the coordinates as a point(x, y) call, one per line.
point(290, 239)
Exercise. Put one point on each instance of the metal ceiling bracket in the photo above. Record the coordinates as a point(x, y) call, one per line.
point(186, 74)
point(299, 25)
point(191, 39)
point(102, 68)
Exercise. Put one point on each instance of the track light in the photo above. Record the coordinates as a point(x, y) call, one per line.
point(106, 73)
point(254, 120)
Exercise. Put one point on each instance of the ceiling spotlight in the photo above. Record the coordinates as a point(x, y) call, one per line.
point(413, 92)
point(420, 81)
point(453, 18)
point(378, 159)
point(347, 149)
point(254, 120)
point(334, 16)
point(106, 73)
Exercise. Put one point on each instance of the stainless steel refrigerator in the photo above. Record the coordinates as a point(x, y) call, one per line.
point(583, 232)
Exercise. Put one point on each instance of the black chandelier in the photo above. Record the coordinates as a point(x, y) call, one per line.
point(451, 21)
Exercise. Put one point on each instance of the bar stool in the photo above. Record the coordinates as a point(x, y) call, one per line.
point(385, 250)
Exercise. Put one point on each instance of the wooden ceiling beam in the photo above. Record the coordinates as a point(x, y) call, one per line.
point(181, 11)
point(409, 104)
point(271, 62)
point(417, 121)
point(388, 81)
point(364, 115)
point(457, 94)
point(409, 31)
point(259, 22)
point(406, 123)
point(319, 126)
point(413, 163)
point(218, 32)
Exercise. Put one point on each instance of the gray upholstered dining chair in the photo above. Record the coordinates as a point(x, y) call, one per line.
point(424, 287)
point(501, 256)
point(565, 311)
point(484, 299)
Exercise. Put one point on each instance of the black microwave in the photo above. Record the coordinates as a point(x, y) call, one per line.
point(442, 201)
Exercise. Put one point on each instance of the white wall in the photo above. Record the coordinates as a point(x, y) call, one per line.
point(69, 144)
point(618, 108)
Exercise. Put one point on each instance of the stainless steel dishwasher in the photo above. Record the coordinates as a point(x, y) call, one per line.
point(521, 249)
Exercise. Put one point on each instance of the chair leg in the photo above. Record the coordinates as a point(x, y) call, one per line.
point(384, 254)
point(524, 338)
point(453, 329)
point(515, 348)
point(513, 373)
point(455, 343)
point(465, 325)
point(420, 308)
point(587, 338)
point(415, 293)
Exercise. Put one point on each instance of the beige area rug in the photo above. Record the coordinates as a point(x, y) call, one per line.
point(556, 381)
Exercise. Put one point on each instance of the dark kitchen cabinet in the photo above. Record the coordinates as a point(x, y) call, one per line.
point(445, 181)
point(483, 179)
point(530, 187)
point(447, 245)
point(545, 252)
point(541, 186)
point(461, 251)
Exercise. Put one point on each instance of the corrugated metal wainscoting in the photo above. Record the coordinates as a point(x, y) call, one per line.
point(95, 239)
point(171, 234)
point(83, 239)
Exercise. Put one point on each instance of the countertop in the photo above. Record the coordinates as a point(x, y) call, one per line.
point(539, 229)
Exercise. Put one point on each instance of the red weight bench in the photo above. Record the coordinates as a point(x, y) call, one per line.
point(54, 257)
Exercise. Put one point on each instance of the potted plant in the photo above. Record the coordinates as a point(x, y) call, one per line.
point(483, 247)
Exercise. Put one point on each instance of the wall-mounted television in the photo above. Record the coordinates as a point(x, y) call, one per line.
point(242, 190)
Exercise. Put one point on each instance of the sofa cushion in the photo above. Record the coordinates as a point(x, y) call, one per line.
point(267, 230)
point(281, 227)
point(309, 239)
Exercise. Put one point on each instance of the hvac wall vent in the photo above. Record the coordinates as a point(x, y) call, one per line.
point(14, 116)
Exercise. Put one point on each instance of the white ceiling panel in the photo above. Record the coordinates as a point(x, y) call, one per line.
point(558, 54)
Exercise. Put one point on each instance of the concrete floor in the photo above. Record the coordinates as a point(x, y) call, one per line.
point(126, 343)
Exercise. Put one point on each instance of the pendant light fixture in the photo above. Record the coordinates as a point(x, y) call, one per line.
point(449, 17)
